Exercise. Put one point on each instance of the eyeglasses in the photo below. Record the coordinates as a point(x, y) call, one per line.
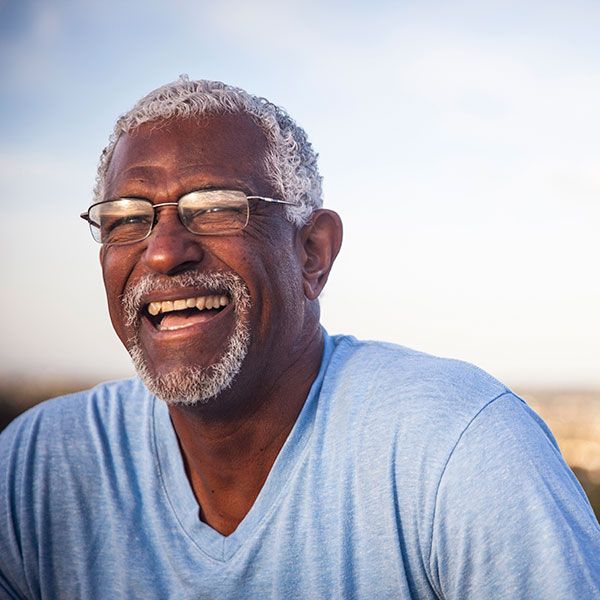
point(202, 212)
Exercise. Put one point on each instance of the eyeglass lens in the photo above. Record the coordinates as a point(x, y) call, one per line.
point(204, 212)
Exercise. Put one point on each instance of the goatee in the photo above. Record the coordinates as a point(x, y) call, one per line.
point(187, 385)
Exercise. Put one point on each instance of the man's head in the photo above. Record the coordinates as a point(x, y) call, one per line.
point(290, 161)
point(200, 312)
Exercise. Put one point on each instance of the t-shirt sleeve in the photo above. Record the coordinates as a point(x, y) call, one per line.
point(511, 520)
point(14, 446)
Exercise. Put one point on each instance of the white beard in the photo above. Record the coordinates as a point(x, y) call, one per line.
point(186, 386)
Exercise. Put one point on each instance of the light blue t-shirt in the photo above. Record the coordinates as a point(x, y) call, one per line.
point(405, 476)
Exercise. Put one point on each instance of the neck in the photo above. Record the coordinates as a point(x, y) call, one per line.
point(230, 444)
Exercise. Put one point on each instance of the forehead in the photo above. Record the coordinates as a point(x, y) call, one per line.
point(210, 150)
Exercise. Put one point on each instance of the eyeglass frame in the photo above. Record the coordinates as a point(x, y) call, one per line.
point(86, 215)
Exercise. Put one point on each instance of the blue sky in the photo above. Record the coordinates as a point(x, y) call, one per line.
point(458, 140)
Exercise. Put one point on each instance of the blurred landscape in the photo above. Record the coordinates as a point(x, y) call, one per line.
point(573, 417)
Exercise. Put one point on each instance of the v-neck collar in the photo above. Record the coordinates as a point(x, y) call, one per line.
point(180, 495)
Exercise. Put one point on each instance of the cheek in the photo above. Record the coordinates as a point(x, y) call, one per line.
point(115, 273)
point(283, 291)
point(277, 268)
point(271, 272)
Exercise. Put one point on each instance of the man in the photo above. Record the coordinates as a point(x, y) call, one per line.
point(256, 456)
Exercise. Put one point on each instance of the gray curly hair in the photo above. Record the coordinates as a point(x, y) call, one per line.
point(291, 162)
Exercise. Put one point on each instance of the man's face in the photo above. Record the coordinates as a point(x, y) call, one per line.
point(190, 355)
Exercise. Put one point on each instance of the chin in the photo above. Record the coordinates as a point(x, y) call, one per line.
point(187, 386)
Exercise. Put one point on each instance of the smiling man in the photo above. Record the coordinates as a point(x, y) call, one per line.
point(208, 282)
point(255, 456)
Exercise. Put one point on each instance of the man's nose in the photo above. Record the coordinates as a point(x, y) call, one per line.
point(170, 247)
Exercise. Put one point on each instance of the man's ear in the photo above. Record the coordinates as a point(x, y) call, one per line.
point(320, 241)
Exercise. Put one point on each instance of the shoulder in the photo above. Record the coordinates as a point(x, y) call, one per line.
point(406, 383)
point(61, 464)
point(420, 410)
point(76, 422)
point(103, 399)
point(506, 493)
point(59, 450)
point(473, 470)
point(405, 411)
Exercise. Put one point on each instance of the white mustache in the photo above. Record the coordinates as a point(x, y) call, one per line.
point(215, 281)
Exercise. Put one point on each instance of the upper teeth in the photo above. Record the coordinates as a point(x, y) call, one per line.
point(200, 302)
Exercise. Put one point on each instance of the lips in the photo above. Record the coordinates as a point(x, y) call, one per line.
point(171, 315)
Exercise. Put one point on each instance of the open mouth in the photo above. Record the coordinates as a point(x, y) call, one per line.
point(170, 315)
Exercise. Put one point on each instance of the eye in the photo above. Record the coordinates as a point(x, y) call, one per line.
point(113, 224)
point(122, 220)
point(216, 209)
point(126, 228)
